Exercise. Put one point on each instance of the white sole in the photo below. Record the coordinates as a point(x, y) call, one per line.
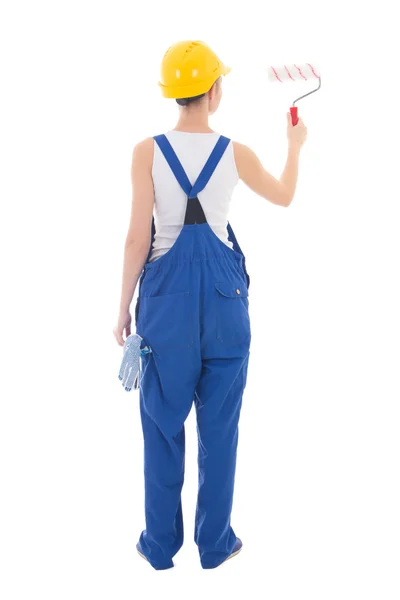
point(232, 555)
point(142, 555)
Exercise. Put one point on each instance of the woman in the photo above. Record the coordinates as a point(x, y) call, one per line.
point(192, 307)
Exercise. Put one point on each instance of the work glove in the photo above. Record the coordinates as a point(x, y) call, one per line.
point(129, 372)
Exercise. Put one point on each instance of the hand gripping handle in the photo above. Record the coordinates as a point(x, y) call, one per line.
point(294, 113)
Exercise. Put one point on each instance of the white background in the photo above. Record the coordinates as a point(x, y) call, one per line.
point(317, 489)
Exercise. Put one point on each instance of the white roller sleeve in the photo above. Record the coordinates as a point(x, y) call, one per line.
point(297, 72)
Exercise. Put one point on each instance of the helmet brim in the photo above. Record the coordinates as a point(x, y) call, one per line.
point(195, 88)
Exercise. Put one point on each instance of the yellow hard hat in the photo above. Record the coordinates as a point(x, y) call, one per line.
point(189, 69)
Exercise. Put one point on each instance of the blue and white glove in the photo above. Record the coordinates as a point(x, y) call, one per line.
point(129, 372)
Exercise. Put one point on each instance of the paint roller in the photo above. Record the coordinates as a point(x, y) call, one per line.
point(295, 73)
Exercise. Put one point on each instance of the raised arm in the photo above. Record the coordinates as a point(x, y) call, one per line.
point(138, 238)
point(278, 191)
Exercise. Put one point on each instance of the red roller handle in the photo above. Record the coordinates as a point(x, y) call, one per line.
point(293, 112)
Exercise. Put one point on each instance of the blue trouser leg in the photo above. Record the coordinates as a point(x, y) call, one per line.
point(164, 475)
point(218, 405)
point(166, 397)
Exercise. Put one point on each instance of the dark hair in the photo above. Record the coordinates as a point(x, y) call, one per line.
point(186, 101)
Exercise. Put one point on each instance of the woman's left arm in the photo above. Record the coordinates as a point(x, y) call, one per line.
point(138, 238)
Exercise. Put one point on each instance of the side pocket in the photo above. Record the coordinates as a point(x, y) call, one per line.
point(233, 321)
point(139, 313)
point(167, 321)
point(148, 275)
point(137, 310)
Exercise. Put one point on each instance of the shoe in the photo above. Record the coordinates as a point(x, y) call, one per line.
point(139, 552)
point(236, 549)
point(158, 568)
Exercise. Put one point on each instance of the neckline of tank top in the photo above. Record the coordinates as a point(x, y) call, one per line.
point(193, 132)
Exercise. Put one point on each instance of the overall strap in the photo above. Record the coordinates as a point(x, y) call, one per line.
point(179, 172)
point(210, 166)
point(194, 211)
point(174, 162)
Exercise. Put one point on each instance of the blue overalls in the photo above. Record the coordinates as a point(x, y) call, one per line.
point(192, 309)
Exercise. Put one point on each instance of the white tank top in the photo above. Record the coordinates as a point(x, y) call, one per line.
point(193, 150)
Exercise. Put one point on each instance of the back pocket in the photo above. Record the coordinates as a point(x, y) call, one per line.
point(233, 321)
point(167, 320)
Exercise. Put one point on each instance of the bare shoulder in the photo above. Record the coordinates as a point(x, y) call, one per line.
point(145, 145)
point(242, 152)
point(239, 149)
point(244, 157)
point(143, 152)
